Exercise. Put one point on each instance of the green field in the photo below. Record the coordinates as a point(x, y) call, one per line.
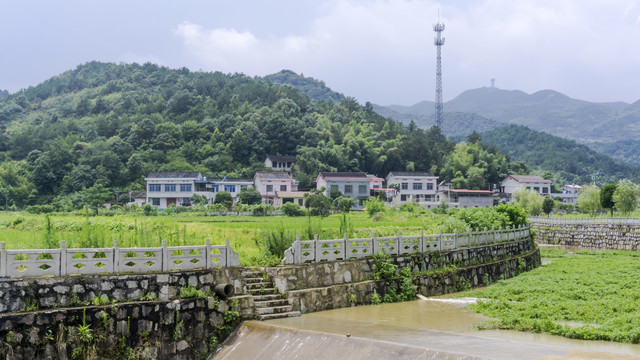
point(591, 296)
point(245, 233)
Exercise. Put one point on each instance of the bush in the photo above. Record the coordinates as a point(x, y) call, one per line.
point(261, 209)
point(374, 206)
point(149, 210)
point(40, 209)
point(292, 209)
point(275, 242)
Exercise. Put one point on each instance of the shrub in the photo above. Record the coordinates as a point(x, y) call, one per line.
point(40, 209)
point(149, 210)
point(292, 209)
point(275, 242)
point(374, 206)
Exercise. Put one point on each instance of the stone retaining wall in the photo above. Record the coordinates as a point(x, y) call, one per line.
point(176, 329)
point(293, 277)
point(45, 293)
point(592, 236)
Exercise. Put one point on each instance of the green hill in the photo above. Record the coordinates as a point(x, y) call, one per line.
point(568, 160)
point(316, 90)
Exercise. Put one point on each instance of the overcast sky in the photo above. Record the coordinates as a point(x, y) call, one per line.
point(379, 51)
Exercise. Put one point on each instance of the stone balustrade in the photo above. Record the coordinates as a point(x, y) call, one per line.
point(568, 220)
point(115, 260)
point(310, 251)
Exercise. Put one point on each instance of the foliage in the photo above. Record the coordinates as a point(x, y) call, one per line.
point(224, 198)
point(383, 269)
point(276, 241)
point(318, 204)
point(625, 196)
point(250, 196)
point(375, 299)
point(529, 200)
point(589, 199)
point(374, 206)
point(149, 210)
point(547, 205)
point(292, 209)
point(549, 298)
point(197, 199)
point(606, 197)
point(96, 196)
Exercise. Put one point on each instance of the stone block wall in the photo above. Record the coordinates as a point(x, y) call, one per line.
point(45, 293)
point(176, 329)
point(591, 236)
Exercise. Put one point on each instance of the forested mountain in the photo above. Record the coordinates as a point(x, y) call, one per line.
point(316, 90)
point(569, 161)
point(603, 126)
point(4, 93)
point(111, 124)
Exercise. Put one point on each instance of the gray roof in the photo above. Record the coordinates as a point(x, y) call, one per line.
point(173, 175)
point(230, 180)
point(325, 174)
point(409, 173)
point(282, 158)
point(273, 175)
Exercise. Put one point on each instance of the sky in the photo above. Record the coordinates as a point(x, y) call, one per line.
point(373, 50)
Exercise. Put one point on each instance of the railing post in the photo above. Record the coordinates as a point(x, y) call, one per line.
point(207, 257)
point(485, 236)
point(455, 238)
point(422, 240)
point(316, 248)
point(374, 242)
point(63, 258)
point(398, 243)
point(227, 252)
point(116, 257)
point(165, 256)
point(440, 240)
point(344, 248)
point(3, 259)
point(297, 251)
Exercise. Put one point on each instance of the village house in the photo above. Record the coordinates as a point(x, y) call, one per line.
point(419, 187)
point(350, 184)
point(514, 183)
point(173, 188)
point(230, 185)
point(464, 198)
point(271, 184)
point(280, 162)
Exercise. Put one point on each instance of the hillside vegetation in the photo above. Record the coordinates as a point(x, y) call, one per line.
point(569, 161)
point(107, 124)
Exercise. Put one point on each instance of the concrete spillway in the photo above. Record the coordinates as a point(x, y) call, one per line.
point(413, 330)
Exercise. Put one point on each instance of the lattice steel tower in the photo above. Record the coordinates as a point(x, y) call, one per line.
point(438, 42)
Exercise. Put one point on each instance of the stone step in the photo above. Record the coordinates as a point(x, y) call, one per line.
point(258, 285)
point(254, 280)
point(260, 291)
point(252, 274)
point(272, 303)
point(274, 310)
point(268, 297)
point(279, 315)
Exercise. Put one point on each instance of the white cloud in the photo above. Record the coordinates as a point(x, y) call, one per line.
point(382, 50)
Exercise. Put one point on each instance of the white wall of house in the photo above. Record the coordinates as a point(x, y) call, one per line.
point(269, 187)
point(511, 185)
point(162, 192)
point(414, 188)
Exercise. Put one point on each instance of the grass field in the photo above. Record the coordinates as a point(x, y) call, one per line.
point(592, 296)
point(22, 230)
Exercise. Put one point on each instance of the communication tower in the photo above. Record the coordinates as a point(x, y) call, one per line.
point(438, 42)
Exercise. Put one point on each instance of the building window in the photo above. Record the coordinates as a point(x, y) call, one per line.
point(283, 187)
point(334, 187)
point(170, 187)
point(429, 186)
point(404, 186)
point(185, 187)
point(348, 189)
point(216, 188)
point(536, 189)
point(230, 188)
point(403, 197)
point(417, 186)
point(362, 189)
point(154, 188)
point(300, 202)
point(545, 190)
point(269, 188)
point(155, 201)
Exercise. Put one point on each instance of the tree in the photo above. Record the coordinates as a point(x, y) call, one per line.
point(198, 199)
point(250, 196)
point(606, 197)
point(589, 199)
point(547, 205)
point(318, 204)
point(224, 198)
point(626, 196)
point(291, 209)
point(373, 206)
point(96, 196)
point(530, 200)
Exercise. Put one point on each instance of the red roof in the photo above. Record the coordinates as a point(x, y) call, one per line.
point(471, 191)
point(527, 178)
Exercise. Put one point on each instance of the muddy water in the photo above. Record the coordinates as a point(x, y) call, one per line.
point(422, 329)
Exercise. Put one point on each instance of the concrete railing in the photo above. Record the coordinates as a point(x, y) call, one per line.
point(114, 260)
point(303, 251)
point(564, 220)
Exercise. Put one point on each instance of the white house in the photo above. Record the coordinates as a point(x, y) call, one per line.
point(269, 184)
point(280, 162)
point(231, 185)
point(420, 187)
point(350, 184)
point(569, 193)
point(514, 183)
point(172, 188)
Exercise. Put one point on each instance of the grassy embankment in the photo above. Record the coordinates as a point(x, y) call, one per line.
point(594, 295)
point(245, 233)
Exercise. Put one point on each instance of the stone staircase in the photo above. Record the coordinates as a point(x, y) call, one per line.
point(269, 304)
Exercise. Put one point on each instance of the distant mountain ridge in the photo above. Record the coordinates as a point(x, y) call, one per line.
point(606, 127)
point(315, 89)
